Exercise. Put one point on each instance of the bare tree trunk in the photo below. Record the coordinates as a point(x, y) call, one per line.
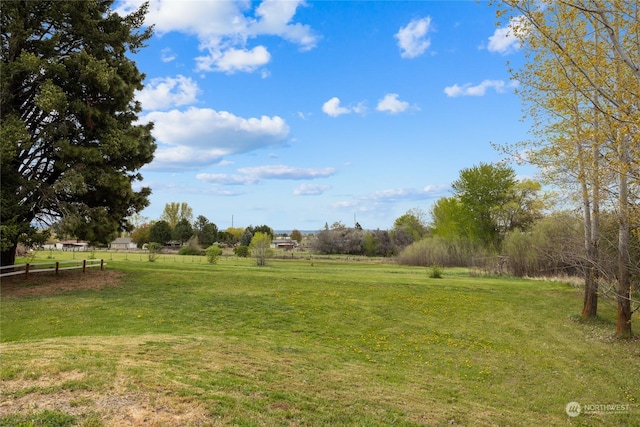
point(590, 305)
point(623, 326)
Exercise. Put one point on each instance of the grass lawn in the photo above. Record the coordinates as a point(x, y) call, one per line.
point(306, 342)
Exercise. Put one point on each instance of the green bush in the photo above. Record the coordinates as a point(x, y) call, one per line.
point(436, 272)
point(213, 253)
point(241, 251)
point(191, 248)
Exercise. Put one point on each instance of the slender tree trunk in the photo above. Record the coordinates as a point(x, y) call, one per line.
point(590, 305)
point(623, 326)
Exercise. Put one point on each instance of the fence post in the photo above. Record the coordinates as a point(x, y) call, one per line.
point(84, 265)
point(101, 264)
point(57, 267)
point(26, 271)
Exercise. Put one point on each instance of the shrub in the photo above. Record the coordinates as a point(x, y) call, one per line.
point(191, 248)
point(213, 253)
point(260, 248)
point(439, 251)
point(154, 249)
point(241, 251)
point(436, 272)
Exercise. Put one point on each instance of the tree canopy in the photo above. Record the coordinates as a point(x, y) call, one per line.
point(581, 85)
point(69, 143)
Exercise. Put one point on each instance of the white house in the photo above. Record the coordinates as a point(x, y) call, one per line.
point(123, 243)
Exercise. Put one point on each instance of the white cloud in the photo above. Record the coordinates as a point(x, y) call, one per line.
point(286, 172)
point(200, 136)
point(232, 60)
point(310, 190)
point(167, 92)
point(333, 108)
point(413, 39)
point(504, 40)
point(377, 200)
point(478, 90)
point(390, 103)
point(224, 28)
point(254, 175)
point(224, 179)
point(397, 194)
point(275, 19)
point(167, 55)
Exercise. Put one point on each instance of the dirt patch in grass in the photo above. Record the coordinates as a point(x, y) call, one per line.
point(64, 281)
point(129, 409)
point(122, 401)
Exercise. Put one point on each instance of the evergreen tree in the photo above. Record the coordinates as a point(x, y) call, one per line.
point(69, 145)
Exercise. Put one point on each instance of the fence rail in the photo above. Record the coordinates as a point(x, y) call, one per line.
point(51, 266)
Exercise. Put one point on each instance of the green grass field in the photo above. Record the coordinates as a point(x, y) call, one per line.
point(306, 342)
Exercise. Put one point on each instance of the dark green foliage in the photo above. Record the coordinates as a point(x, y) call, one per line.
point(206, 231)
point(245, 239)
point(69, 145)
point(226, 237)
point(262, 229)
point(241, 251)
point(160, 232)
point(183, 231)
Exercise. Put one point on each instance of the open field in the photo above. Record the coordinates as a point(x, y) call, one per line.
point(305, 342)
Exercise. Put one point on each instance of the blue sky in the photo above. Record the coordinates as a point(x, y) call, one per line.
point(296, 114)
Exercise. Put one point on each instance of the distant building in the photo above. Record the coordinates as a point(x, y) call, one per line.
point(73, 245)
point(287, 244)
point(123, 243)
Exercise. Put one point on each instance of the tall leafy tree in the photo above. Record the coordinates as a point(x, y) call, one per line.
point(450, 219)
point(246, 237)
point(260, 247)
point(174, 212)
point(183, 231)
point(69, 145)
point(412, 223)
point(483, 190)
point(140, 235)
point(583, 78)
point(206, 231)
point(160, 232)
point(296, 235)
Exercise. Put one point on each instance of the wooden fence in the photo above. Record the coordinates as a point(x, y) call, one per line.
point(51, 266)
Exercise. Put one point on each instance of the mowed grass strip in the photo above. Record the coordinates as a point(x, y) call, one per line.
point(304, 342)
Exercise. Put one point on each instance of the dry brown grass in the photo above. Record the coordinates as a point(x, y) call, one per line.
point(64, 281)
